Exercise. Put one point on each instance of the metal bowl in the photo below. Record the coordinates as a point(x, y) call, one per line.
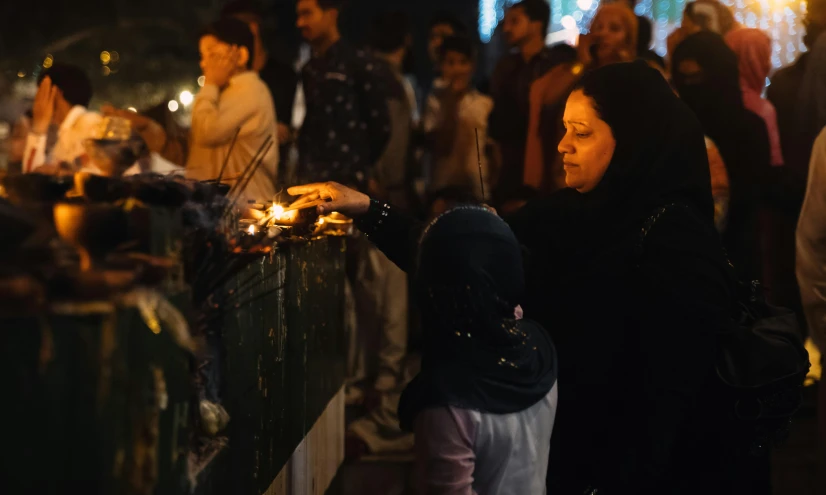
point(94, 229)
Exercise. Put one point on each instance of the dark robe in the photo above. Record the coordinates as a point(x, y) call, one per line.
point(634, 322)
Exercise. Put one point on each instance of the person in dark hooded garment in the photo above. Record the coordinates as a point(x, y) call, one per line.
point(634, 305)
point(765, 200)
point(705, 73)
point(484, 403)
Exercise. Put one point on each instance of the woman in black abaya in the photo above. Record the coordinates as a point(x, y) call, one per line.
point(634, 319)
point(706, 76)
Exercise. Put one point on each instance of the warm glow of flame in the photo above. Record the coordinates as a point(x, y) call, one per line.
point(277, 211)
point(251, 230)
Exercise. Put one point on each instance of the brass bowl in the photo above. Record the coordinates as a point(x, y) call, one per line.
point(93, 229)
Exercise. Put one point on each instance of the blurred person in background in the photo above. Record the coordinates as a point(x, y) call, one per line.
point(798, 93)
point(63, 94)
point(442, 25)
point(276, 72)
point(706, 76)
point(17, 141)
point(753, 49)
point(455, 117)
point(233, 115)
point(644, 32)
point(346, 127)
point(701, 15)
point(116, 149)
point(159, 130)
point(391, 41)
point(381, 325)
point(811, 275)
point(525, 27)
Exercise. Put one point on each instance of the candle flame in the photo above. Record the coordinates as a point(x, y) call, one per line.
point(251, 230)
point(277, 211)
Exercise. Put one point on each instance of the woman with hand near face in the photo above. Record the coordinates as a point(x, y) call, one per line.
point(634, 318)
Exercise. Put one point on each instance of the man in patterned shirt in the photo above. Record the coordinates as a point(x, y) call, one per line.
point(347, 126)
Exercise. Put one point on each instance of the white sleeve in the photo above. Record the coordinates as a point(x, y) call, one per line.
point(811, 245)
point(35, 154)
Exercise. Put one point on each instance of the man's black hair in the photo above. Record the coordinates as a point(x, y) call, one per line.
point(444, 17)
point(389, 32)
point(536, 10)
point(233, 32)
point(458, 44)
point(72, 81)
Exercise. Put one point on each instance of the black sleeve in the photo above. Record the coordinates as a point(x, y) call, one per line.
point(394, 232)
point(682, 301)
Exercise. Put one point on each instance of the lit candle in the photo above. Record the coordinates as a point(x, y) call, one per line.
point(251, 230)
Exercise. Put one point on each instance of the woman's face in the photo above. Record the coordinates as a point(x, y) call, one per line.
point(611, 35)
point(588, 144)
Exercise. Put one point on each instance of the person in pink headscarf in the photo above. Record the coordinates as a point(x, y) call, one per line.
point(753, 49)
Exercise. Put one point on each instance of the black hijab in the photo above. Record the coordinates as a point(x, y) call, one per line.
point(476, 355)
point(740, 135)
point(660, 158)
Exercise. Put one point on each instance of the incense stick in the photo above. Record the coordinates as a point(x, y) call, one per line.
point(226, 158)
point(249, 166)
point(479, 161)
point(248, 178)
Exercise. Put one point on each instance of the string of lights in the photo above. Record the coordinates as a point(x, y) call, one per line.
point(780, 19)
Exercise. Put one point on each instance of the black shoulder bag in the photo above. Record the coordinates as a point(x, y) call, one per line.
point(761, 362)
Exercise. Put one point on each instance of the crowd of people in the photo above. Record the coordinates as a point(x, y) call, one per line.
point(578, 149)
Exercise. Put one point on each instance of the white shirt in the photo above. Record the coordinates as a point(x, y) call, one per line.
point(811, 245)
point(245, 104)
point(461, 167)
point(76, 128)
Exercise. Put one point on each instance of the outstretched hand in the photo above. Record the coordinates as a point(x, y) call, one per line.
point(340, 198)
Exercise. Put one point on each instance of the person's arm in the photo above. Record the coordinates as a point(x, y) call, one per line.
point(370, 75)
point(445, 459)
point(34, 155)
point(685, 300)
point(216, 117)
point(392, 231)
point(811, 239)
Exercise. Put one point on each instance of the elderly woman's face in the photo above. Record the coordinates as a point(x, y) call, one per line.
point(588, 144)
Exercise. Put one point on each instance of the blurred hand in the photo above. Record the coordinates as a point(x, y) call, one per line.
point(219, 67)
point(43, 107)
point(341, 199)
point(583, 49)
